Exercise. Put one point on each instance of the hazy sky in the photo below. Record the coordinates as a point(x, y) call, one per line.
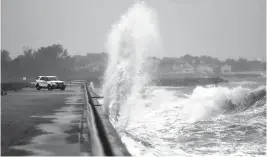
point(219, 28)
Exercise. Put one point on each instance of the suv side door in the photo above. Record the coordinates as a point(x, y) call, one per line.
point(46, 81)
point(42, 82)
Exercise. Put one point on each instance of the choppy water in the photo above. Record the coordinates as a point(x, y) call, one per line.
point(228, 119)
point(207, 121)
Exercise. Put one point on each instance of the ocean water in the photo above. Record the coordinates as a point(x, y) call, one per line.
point(222, 120)
point(226, 119)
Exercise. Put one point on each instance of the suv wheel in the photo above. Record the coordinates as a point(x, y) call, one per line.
point(63, 88)
point(38, 87)
point(49, 87)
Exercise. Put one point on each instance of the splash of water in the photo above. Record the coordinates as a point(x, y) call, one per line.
point(204, 103)
point(128, 43)
point(166, 114)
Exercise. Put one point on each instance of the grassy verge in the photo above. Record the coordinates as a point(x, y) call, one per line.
point(15, 86)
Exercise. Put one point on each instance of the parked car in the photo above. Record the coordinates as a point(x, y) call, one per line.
point(49, 82)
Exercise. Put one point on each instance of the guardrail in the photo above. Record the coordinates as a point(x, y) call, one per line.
point(103, 137)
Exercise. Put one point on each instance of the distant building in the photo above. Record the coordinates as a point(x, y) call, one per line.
point(225, 68)
point(184, 68)
point(204, 69)
point(188, 68)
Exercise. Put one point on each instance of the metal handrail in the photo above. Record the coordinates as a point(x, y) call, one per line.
point(101, 144)
point(97, 148)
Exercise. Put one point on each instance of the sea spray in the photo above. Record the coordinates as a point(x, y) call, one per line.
point(129, 42)
point(213, 120)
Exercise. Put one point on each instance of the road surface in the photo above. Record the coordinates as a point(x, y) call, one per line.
point(41, 122)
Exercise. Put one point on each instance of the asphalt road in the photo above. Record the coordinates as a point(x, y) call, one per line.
point(41, 122)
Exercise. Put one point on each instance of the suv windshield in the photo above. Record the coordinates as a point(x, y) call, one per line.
point(52, 78)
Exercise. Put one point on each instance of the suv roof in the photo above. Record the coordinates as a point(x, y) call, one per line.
point(47, 76)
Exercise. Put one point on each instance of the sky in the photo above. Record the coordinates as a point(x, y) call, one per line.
point(217, 28)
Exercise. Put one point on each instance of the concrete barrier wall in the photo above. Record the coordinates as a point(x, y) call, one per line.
point(97, 148)
point(104, 138)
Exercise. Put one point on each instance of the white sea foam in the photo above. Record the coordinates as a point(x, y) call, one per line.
point(163, 114)
point(130, 40)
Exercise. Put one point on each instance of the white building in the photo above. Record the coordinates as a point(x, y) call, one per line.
point(204, 69)
point(184, 68)
point(225, 68)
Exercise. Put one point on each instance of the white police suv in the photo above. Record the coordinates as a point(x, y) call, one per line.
point(49, 82)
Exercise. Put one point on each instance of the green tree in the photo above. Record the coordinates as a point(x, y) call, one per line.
point(5, 56)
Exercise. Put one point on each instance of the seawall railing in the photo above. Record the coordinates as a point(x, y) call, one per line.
point(103, 138)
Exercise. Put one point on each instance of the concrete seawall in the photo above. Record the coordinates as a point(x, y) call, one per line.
point(103, 137)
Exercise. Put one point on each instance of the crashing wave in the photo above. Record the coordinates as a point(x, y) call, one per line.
point(207, 102)
point(203, 103)
point(129, 42)
point(255, 98)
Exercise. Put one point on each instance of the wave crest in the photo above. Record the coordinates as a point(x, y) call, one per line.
point(204, 103)
point(129, 42)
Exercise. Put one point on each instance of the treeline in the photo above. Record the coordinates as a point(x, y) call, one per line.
point(50, 60)
point(55, 60)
